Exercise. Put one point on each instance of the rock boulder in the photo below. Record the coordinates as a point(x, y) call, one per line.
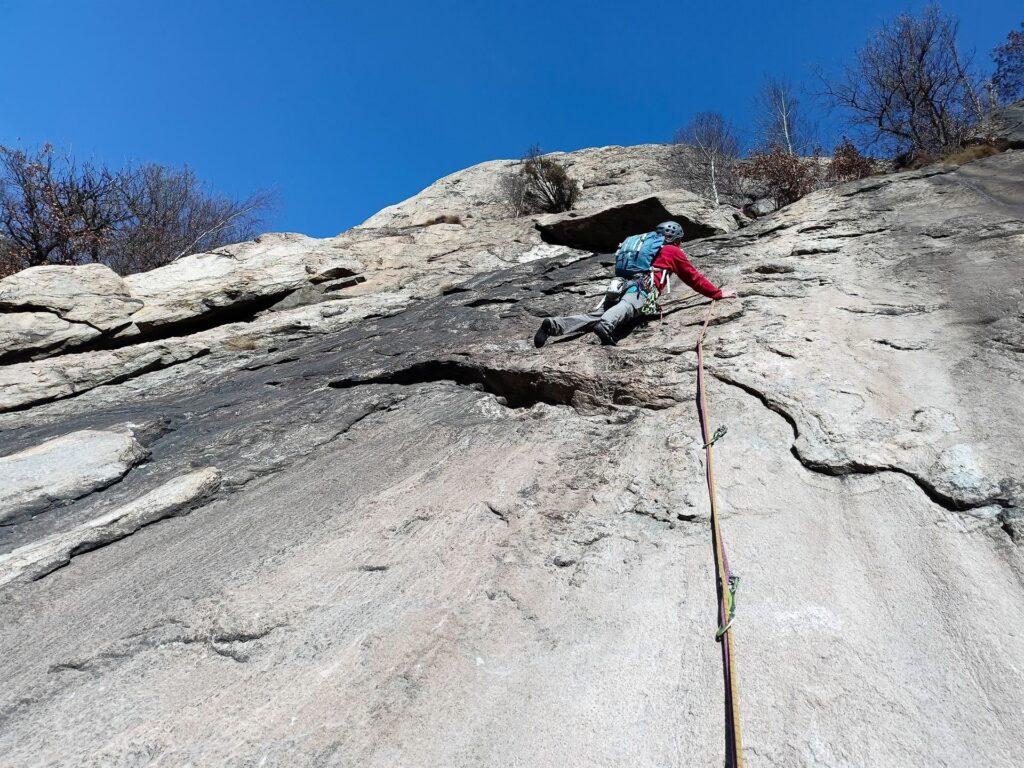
point(63, 469)
point(233, 278)
point(174, 497)
point(22, 332)
point(90, 293)
point(1005, 126)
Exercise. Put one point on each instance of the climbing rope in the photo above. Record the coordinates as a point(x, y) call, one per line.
point(726, 583)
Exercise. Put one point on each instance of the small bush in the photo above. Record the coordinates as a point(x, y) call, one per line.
point(784, 177)
point(913, 160)
point(444, 218)
point(539, 185)
point(241, 343)
point(848, 164)
point(974, 152)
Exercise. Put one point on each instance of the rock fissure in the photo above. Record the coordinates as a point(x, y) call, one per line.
point(902, 346)
point(219, 643)
point(28, 307)
point(484, 302)
point(522, 388)
point(841, 235)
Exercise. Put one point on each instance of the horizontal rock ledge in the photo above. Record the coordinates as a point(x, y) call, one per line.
point(64, 469)
point(175, 497)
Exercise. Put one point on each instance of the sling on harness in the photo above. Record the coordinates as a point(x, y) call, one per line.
point(648, 287)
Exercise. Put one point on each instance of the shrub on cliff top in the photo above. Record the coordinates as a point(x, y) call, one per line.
point(784, 177)
point(848, 164)
point(539, 184)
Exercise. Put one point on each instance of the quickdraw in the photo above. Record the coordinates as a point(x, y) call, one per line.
point(726, 583)
point(648, 289)
point(719, 434)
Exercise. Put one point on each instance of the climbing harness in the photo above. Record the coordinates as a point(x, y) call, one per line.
point(726, 583)
point(651, 287)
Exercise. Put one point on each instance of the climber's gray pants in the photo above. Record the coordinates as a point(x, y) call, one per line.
point(626, 308)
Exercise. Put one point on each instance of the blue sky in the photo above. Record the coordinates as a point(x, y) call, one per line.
point(344, 108)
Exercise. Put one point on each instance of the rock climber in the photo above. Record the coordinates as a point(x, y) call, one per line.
point(625, 303)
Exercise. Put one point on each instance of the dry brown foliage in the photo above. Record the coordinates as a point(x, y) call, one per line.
point(974, 152)
point(784, 177)
point(444, 218)
point(848, 164)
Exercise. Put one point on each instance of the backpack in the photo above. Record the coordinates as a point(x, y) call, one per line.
point(636, 254)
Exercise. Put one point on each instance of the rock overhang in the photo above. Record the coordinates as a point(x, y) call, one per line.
point(603, 229)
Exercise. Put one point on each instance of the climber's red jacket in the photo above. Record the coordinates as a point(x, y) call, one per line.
point(672, 258)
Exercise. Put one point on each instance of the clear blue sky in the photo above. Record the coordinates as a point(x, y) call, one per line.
point(347, 107)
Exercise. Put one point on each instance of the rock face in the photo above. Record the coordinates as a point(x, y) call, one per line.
point(413, 248)
point(1006, 125)
point(421, 541)
point(91, 294)
point(236, 276)
point(174, 497)
point(64, 469)
point(40, 331)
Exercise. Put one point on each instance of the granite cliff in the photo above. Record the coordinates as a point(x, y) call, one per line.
point(321, 502)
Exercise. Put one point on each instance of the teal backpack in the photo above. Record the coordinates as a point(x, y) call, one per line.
point(636, 254)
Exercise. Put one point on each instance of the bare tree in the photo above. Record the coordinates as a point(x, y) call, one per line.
point(1008, 80)
point(782, 121)
point(706, 158)
point(171, 214)
point(911, 89)
point(54, 210)
point(35, 206)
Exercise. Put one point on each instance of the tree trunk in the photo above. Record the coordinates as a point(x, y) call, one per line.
point(714, 182)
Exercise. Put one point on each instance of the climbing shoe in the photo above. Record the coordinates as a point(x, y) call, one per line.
point(605, 335)
point(541, 336)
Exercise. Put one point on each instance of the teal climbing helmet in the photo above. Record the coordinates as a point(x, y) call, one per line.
point(670, 230)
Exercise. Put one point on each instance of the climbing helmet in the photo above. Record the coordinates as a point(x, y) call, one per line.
point(670, 230)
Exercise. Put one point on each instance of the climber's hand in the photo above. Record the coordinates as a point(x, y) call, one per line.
point(730, 294)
